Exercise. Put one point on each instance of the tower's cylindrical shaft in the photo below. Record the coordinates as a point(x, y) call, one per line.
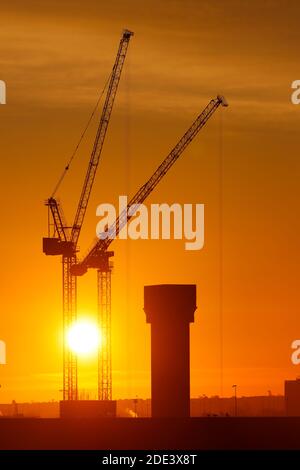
point(170, 309)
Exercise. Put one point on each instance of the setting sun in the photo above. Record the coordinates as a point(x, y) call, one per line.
point(83, 337)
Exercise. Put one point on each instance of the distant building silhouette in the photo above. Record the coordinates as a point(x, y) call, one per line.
point(88, 408)
point(170, 309)
point(292, 397)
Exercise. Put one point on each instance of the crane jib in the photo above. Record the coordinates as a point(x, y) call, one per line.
point(100, 136)
point(102, 244)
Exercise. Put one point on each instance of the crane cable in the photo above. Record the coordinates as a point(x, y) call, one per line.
point(67, 167)
point(221, 252)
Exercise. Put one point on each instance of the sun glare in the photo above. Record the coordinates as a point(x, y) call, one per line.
point(83, 337)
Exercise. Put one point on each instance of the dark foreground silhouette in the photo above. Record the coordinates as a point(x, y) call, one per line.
point(151, 434)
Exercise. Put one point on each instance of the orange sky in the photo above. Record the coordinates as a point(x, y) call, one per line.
point(55, 57)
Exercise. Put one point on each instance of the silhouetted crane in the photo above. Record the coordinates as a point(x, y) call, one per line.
point(98, 256)
point(63, 241)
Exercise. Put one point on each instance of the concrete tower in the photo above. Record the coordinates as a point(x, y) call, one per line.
point(170, 309)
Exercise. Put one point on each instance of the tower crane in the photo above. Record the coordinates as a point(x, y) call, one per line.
point(64, 241)
point(98, 256)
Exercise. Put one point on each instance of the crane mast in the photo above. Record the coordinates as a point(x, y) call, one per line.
point(98, 256)
point(65, 244)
